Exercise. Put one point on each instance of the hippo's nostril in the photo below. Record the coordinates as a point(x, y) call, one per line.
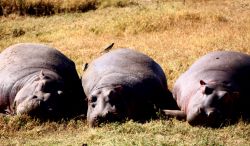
point(93, 105)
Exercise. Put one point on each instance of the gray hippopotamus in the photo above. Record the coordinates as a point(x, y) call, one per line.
point(40, 81)
point(214, 89)
point(125, 84)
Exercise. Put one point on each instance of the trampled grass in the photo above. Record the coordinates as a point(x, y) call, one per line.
point(173, 34)
point(25, 131)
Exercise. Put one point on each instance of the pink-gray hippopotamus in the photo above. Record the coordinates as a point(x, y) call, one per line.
point(125, 84)
point(214, 89)
point(39, 81)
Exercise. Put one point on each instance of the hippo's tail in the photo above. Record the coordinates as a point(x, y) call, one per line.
point(166, 101)
point(171, 103)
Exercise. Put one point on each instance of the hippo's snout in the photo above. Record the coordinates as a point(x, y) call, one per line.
point(28, 106)
point(195, 117)
point(36, 106)
point(205, 117)
point(102, 110)
point(105, 116)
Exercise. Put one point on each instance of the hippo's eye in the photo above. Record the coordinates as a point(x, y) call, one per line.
point(93, 99)
point(208, 90)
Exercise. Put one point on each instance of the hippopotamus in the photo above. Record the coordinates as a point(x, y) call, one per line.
point(39, 81)
point(125, 85)
point(215, 89)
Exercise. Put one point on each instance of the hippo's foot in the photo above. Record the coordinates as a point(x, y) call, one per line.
point(178, 114)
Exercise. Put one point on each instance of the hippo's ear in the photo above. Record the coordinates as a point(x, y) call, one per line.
point(41, 75)
point(118, 88)
point(202, 83)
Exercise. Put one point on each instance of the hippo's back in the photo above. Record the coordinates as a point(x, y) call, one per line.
point(126, 66)
point(125, 61)
point(21, 60)
point(220, 65)
point(28, 55)
point(222, 60)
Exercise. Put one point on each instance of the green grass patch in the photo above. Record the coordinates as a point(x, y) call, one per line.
point(50, 7)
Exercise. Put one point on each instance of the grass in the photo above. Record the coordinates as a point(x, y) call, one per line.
point(26, 131)
point(173, 34)
point(50, 7)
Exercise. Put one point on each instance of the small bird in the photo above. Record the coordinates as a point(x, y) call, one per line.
point(85, 66)
point(107, 49)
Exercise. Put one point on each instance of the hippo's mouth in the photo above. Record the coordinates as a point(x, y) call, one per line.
point(35, 108)
point(109, 118)
point(215, 119)
point(26, 107)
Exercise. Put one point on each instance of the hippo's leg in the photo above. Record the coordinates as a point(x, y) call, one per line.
point(178, 114)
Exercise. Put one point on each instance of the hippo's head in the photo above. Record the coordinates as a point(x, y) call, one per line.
point(40, 98)
point(105, 104)
point(213, 103)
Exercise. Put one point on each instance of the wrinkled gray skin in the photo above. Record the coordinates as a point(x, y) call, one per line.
point(215, 88)
point(39, 81)
point(125, 84)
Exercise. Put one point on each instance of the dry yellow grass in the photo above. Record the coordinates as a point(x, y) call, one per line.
point(25, 131)
point(173, 34)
